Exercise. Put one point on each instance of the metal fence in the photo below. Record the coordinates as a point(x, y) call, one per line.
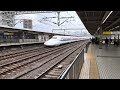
point(73, 70)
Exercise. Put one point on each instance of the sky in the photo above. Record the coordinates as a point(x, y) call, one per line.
point(74, 24)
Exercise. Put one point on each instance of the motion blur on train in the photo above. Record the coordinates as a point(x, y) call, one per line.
point(59, 40)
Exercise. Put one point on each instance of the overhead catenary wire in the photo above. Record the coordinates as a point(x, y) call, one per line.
point(47, 22)
point(71, 21)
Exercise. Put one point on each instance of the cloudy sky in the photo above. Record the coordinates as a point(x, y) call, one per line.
point(74, 25)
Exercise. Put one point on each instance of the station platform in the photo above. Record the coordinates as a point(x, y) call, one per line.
point(10, 44)
point(101, 63)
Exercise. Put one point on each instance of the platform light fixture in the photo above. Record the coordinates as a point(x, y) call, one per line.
point(107, 16)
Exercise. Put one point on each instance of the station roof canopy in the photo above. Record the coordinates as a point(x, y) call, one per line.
point(94, 20)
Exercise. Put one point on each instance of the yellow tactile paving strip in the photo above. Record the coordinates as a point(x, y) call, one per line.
point(93, 73)
point(90, 68)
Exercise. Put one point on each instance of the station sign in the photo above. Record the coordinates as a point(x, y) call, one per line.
point(107, 32)
point(8, 33)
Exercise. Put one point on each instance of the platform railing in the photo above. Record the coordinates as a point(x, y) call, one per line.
point(74, 69)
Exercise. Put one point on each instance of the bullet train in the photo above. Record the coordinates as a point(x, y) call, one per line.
point(59, 40)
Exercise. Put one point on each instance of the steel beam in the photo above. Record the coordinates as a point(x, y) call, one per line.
point(112, 24)
point(90, 17)
point(95, 22)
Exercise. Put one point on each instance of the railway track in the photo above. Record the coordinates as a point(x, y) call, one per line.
point(48, 64)
point(30, 54)
point(54, 73)
point(12, 49)
point(43, 68)
point(19, 53)
point(6, 68)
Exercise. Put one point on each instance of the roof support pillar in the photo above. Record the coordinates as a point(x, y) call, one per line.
point(100, 38)
point(23, 36)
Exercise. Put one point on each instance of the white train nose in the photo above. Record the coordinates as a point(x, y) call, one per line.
point(48, 43)
point(45, 43)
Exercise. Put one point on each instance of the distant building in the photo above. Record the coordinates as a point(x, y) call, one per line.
point(27, 23)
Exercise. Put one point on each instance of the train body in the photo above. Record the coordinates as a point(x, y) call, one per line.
point(59, 40)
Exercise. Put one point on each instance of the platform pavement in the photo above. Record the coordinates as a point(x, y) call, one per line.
point(101, 63)
point(108, 61)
